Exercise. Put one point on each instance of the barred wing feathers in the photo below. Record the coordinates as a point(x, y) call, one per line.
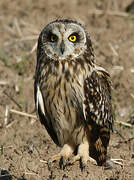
point(98, 107)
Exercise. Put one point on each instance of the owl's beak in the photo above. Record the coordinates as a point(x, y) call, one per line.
point(62, 47)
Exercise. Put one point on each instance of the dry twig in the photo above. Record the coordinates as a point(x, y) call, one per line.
point(43, 161)
point(4, 83)
point(113, 49)
point(6, 115)
point(16, 23)
point(124, 123)
point(12, 99)
point(6, 147)
point(22, 113)
point(132, 95)
point(10, 124)
point(117, 161)
point(31, 173)
point(33, 49)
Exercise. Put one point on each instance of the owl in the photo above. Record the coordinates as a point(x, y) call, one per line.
point(73, 94)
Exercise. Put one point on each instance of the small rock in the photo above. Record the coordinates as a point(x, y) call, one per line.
point(130, 8)
point(5, 175)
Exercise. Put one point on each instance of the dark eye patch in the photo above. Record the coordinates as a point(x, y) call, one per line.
point(52, 37)
point(77, 35)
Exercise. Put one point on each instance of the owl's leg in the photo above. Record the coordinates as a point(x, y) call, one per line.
point(83, 155)
point(63, 156)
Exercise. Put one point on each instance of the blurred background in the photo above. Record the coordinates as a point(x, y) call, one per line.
point(24, 143)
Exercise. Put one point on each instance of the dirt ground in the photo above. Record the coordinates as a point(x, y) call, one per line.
point(24, 143)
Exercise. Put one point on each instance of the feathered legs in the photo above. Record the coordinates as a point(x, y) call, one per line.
point(63, 156)
point(83, 155)
point(66, 153)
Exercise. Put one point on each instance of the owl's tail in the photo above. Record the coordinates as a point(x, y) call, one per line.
point(98, 147)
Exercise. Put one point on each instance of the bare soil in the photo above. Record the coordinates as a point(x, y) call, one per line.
point(24, 143)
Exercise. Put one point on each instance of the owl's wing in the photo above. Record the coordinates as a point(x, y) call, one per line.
point(43, 115)
point(97, 104)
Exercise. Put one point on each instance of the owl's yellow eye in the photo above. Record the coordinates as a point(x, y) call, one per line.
point(72, 38)
point(53, 38)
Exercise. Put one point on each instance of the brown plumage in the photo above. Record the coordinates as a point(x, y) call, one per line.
point(72, 93)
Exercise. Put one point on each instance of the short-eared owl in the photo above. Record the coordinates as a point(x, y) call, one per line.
point(73, 94)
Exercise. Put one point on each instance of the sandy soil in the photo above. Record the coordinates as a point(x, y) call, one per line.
point(24, 143)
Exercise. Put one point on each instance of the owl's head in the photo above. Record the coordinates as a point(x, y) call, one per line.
point(63, 39)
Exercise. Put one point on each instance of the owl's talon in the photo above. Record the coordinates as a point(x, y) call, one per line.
point(82, 162)
point(82, 165)
point(49, 165)
point(62, 163)
point(62, 157)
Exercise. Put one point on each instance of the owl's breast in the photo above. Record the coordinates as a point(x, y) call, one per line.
point(62, 96)
point(63, 99)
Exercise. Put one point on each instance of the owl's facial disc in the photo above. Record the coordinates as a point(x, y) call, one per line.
point(64, 40)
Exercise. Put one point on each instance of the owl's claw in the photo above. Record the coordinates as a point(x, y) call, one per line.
point(82, 156)
point(66, 152)
point(62, 157)
point(49, 165)
point(83, 161)
point(82, 165)
point(63, 163)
